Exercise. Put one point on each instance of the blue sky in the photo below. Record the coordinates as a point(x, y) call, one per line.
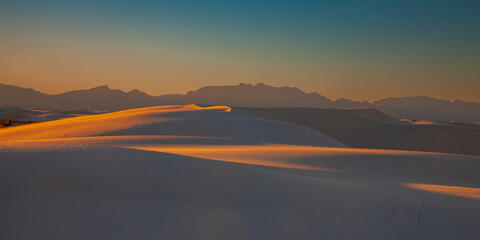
point(358, 49)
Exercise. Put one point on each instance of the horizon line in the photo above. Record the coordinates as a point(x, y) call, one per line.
point(239, 84)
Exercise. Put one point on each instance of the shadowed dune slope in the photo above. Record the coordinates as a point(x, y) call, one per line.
point(361, 129)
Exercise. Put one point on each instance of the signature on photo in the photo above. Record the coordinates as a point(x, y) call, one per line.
point(396, 207)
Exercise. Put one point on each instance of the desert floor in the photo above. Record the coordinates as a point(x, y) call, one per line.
point(187, 172)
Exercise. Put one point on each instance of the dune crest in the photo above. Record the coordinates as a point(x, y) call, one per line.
point(211, 122)
point(100, 123)
point(262, 155)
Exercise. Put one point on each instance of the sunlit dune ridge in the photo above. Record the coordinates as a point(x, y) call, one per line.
point(263, 155)
point(424, 122)
point(211, 123)
point(291, 156)
point(97, 124)
point(49, 144)
point(274, 150)
point(467, 192)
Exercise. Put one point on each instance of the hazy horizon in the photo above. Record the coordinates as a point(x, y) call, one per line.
point(252, 84)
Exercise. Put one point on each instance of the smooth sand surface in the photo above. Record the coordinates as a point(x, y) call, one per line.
point(368, 128)
point(185, 172)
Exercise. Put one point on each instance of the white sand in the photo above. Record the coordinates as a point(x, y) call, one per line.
point(184, 172)
point(369, 128)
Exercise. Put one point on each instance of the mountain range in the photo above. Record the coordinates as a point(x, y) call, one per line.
point(103, 98)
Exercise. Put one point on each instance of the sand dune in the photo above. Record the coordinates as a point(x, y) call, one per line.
point(215, 122)
point(186, 172)
point(37, 115)
point(371, 129)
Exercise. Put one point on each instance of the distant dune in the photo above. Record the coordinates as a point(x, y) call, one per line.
point(369, 128)
point(190, 172)
point(37, 115)
point(243, 95)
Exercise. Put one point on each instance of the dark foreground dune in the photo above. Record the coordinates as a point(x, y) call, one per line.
point(369, 128)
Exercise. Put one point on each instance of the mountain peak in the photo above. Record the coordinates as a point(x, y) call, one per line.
point(137, 92)
point(102, 87)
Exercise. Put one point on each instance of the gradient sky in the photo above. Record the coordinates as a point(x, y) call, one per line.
point(362, 50)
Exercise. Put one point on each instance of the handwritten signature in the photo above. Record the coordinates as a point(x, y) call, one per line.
point(396, 207)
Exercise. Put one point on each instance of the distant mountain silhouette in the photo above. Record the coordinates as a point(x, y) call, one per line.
point(98, 98)
point(430, 108)
point(257, 95)
point(245, 95)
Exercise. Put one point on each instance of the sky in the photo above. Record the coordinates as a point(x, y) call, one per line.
point(362, 50)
